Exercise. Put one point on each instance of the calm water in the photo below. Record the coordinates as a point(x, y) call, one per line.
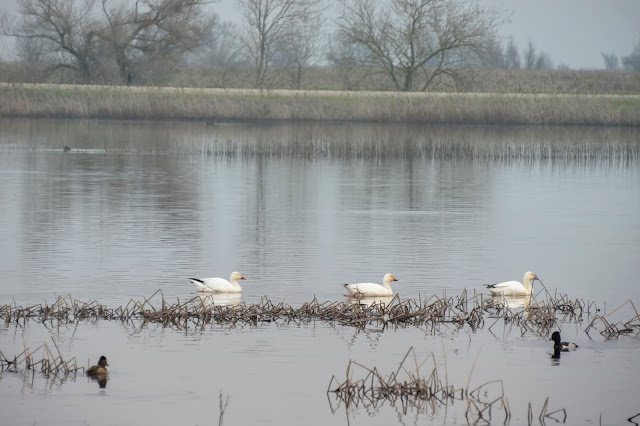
point(132, 208)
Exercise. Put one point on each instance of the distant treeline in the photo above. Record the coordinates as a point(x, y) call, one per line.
point(418, 45)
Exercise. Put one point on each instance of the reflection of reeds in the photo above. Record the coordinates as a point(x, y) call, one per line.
point(582, 148)
point(49, 362)
point(414, 386)
point(222, 405)
point(466, 309)
point(554, 415)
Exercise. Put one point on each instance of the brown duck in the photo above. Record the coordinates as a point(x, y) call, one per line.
point(99, 370)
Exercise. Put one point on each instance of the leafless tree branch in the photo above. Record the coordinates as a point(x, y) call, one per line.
point(267, 25)
point(412, 39)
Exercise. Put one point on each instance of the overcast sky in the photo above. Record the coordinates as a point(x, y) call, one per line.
point(572, 32)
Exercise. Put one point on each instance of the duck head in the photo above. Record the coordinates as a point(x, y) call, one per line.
point(102, 362)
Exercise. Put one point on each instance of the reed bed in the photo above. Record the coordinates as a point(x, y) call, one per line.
point(579, 146)
point(48, 363)
point(477, 80)
point(158, 103)
point(421, 386)
point(467, 309)
point(580, 153)
point(64, 310)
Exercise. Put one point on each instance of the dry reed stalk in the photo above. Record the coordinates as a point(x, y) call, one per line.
point(48, 364)
point(619, 327)
point(222, 405)
point(546, 415)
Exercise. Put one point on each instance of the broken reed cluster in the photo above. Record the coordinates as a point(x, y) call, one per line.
point(157, 103)
point(420, 386)
point(42, 360)
point(540, 313)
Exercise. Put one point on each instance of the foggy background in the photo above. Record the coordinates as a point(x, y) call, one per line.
point(573, 32)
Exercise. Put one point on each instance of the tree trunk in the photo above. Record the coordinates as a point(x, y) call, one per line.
point(408, 80)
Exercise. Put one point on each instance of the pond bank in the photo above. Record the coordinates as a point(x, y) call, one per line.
point(160, 103)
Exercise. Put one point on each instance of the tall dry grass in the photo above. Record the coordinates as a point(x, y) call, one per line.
point(359, 79)
point(154, 103)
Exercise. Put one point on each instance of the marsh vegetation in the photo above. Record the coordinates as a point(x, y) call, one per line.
point(211, 105)
point(529, 314)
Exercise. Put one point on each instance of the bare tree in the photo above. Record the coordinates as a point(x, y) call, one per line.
point(530, 55)
point(221, 47)
point(511, 55)
point(347, 60)
point(632, 62)
point(65, 30)
point(492, 55)
point(152, 32)
point(86, 35)
point(302, 45)
point(423, 40)
point(534, 60)
point(543, 61)
point(4, 42)
point(611, 61)
point(265, 28)
point(31, 49)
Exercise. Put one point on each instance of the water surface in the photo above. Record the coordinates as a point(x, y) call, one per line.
point(130, 208)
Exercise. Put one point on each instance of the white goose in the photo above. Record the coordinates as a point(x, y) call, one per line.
point(219, 285)
point(514, 288)
point(371, 289)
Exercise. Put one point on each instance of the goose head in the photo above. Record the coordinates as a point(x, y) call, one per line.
point(388, 278)
point(235, 276)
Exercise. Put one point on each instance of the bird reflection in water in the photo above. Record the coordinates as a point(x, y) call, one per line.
point(555, 356)
point(220, 299)
point(378, 302)
point(512, 302)
point(102, 382)
point(370, 301)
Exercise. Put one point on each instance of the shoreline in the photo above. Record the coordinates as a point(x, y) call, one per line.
point(210, 104)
